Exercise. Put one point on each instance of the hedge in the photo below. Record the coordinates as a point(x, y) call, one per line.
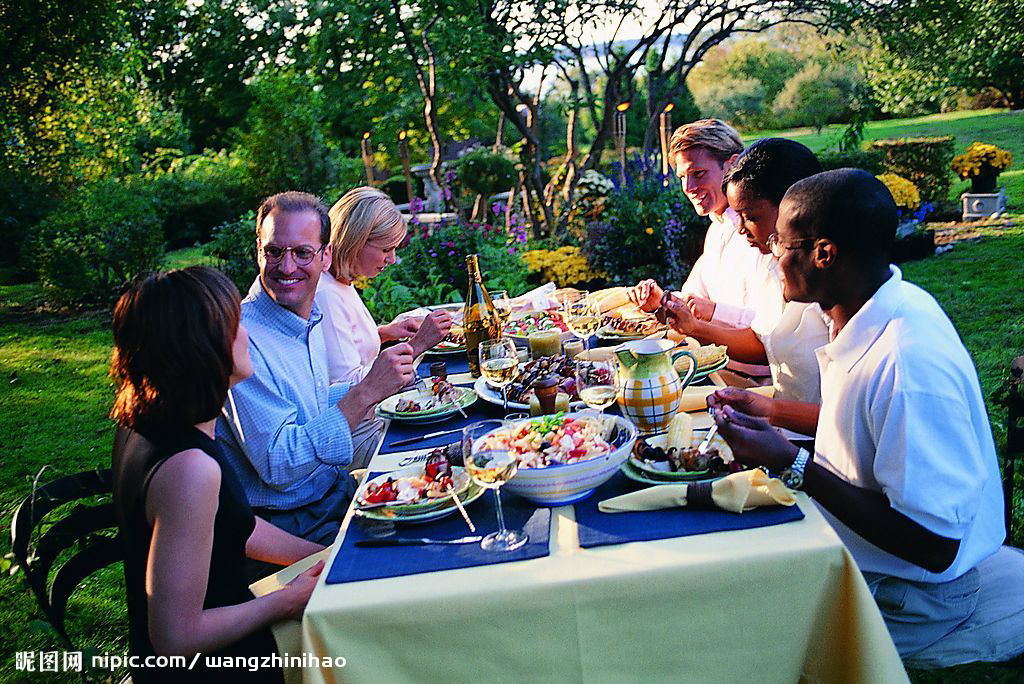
point(923, 161)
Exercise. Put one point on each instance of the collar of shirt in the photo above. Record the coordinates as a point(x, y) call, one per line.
point(861, 331)
point(260, 307)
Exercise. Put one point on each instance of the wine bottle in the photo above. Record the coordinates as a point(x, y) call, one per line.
point(480, 320)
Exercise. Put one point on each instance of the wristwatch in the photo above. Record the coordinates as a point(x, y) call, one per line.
point(793, 476)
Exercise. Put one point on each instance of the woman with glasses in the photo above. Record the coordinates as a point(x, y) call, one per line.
point(186, 525)
point(785, 334)
point(366, 230)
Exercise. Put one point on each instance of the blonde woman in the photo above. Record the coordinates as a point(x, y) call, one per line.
point(366, 229)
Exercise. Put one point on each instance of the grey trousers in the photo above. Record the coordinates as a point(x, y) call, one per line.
point(979, 616)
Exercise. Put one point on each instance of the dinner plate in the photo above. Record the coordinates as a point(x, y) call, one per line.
point(459, 477)
point(420, 513)
point(708, 370)
point(629, 469)
point(489, 394)
point(609, 335)
point(386, 408)
point(699, 434)
point(446, 351)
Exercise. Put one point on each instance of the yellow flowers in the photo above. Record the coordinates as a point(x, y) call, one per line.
point(649, 231)
point(565, 266)
point(981, 157)
point(903, 191)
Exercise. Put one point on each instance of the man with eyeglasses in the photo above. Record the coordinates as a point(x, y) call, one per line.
point(289, 433)
point(904, 465)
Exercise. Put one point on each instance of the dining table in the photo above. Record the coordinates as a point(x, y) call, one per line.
point(768, 596)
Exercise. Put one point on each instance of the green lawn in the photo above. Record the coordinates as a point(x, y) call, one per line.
point(55, 393)
point(997, 126)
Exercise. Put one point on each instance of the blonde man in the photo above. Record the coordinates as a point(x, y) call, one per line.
point(702, 152)
point(366, 229)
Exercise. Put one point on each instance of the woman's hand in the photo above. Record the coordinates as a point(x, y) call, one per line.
point(703, 309)
point(433, 329)
point(754, 441)
point(295, 595)
point(400, 329)
point(679, 316)
point(646, 295)
point(750, 403)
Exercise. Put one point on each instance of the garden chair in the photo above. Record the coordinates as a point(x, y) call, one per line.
point(88, 531)
point(1012, 396)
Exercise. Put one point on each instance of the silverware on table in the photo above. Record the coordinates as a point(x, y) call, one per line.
point(416, 541)
point(702, 448)
point(429, 435)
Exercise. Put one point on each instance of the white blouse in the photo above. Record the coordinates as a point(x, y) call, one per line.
point(353, 341)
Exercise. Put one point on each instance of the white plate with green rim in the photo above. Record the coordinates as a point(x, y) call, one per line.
point(424, 511)
point(653, 473)
point(386, 408)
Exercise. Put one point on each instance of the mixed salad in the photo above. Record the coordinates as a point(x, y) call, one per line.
point(552, 440)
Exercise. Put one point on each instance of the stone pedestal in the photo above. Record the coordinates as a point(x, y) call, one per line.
point(432, 201)
point(984, 204)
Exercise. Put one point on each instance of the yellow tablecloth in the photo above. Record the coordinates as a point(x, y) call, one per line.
point(776, 604)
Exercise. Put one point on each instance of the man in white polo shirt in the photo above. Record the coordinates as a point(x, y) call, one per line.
point(904, 466)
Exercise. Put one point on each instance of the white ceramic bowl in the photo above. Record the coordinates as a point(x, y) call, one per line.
point(564, 484)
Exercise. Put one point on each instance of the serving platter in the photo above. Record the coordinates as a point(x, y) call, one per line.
point(651, 472)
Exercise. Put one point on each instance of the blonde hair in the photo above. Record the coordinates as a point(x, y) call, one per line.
point(714, 135)
point(361, 215)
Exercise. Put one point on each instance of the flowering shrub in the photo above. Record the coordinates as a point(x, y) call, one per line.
point(589, 201)
point(979, 157)
point(904, 193)
point(566, 266)
point(647, 230)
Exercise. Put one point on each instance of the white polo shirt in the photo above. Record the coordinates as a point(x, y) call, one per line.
point(723, 272)
point(902, 414)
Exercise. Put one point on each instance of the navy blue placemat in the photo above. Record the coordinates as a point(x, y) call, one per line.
point(399, 430)
point(601, 529)
point(353, 564)
point(455, 363)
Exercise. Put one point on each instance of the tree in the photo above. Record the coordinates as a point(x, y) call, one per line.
point(818, 95)
point(939, 44)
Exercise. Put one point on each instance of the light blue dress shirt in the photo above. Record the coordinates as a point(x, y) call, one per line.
point(281, 429)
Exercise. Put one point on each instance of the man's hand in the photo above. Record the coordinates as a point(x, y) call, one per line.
point(754, 441)
point(703, 309)
point(750, 403)
point(391, 371)
point(432, 329)
point(646, 295)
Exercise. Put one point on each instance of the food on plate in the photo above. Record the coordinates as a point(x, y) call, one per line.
point(675, 460)
point(551, 440)
point(455, 339)
point(616, 325)
point(520, 390)
point(680, 431)
point(521, 326)
point(611, 298)
point(708, 356)
point(441, 394)
point(436, 481)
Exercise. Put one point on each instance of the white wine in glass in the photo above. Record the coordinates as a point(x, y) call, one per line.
point(499, 363)
point(582, 316)
point(595, 381)
point(490, 464)
point(502, 304)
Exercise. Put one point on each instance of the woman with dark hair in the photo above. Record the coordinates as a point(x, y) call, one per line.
point(187, 528)
point(785, 334)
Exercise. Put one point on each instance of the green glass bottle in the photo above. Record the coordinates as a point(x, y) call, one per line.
point(481, 321)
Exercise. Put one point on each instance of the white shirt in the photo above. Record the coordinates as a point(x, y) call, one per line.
point(350, 332)
point(902, 414)
point(790, 333)
point(723, 272)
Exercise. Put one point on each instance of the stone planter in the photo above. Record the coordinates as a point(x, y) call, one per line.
point(983, 205)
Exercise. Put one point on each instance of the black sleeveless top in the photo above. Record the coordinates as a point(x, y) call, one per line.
point(136, 459)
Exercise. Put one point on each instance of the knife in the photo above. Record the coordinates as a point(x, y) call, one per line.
point(429, 435)
point(416, 541)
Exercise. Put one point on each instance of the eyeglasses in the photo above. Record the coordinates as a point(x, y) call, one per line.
point(303, 255)
point(778, 247)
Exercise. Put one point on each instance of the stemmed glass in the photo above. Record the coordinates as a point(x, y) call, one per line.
point(490, 464)
point(502, 304)
point(595, 382)
point(581, 316)
point(499, 363)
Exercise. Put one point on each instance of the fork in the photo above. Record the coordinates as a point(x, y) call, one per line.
point(702, 448)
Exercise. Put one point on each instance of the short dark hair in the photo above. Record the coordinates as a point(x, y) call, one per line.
point(769, 166)
point(851, 208)
point(295, 201)
point(172, 358)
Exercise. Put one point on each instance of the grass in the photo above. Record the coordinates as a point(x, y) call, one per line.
point(55, 394)
point(997, 126)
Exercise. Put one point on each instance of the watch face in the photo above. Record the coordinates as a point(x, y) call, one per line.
point(792, 479)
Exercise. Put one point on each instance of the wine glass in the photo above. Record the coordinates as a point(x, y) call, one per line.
point(581, 316)
point(499, 363)
point(490, 464)
point(595, 382)
point(502, 304)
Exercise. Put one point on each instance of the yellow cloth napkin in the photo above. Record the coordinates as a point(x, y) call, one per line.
point(737, 492)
